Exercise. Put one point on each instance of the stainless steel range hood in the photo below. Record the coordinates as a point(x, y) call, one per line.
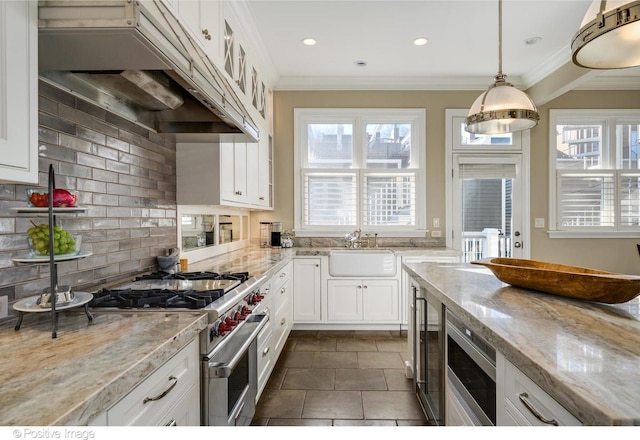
point(135, 59)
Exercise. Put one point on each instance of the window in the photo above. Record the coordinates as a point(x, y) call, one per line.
point(596, 173)
point(242, 69)
point(360, 168)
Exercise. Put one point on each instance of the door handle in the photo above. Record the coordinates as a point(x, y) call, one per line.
point(517, 244)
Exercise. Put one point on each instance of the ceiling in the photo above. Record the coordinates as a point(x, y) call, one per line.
point(461, 54)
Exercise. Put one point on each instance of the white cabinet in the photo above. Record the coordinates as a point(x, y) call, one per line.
point(19, 92)
point(306, 289)
point(273, 337)
point(220, 174)
point(169, 396)
point(260, 182)
point(370, 301)
point(202, 19)
point(521, 401)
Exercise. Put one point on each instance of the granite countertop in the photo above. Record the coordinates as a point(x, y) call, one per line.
point(91, 365)
point(584, 354)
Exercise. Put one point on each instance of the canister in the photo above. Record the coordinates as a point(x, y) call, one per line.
point(265, 234)
point(276, 234)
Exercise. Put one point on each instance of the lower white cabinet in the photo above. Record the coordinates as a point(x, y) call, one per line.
point(373, 301)
point(307, 287)
point(169, 396)
point(521, 402)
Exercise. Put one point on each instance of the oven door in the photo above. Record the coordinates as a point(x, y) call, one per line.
point(230, 377)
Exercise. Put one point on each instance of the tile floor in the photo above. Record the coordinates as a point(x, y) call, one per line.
point(340, 378)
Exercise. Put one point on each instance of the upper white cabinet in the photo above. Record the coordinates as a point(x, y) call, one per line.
point(202, 19)
point(19, 91)
point(260, 183)
point(224, 173)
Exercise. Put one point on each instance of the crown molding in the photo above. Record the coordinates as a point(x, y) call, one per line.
point(553, 63)
point(385, 83)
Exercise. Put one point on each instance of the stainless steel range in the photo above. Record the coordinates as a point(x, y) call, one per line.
point(228, 346)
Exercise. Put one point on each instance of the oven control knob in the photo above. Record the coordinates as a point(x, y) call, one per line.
point(246, 311)
point(231, 323)
point(238, 316)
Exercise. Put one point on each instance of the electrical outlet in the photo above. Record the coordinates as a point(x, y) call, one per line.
point(539, 222)
point(4, 306)
point(436, 234)
point(436, 222)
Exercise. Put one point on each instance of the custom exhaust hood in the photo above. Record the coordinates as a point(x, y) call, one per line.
point(135, 59)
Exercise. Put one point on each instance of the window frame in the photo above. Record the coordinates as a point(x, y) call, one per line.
point(360, 117)
point(608, 118)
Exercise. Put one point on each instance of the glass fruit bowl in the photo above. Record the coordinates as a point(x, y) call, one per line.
point(64, 243)
point(62, 198)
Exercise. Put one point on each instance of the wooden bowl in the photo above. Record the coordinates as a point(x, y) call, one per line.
point(569, 281)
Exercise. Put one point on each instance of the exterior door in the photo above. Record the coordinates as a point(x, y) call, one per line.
point(487, 211)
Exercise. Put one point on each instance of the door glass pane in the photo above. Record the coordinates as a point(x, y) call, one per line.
point(330, 145)
point(486, 217)
point(388, 145)
point(484, 139)
point(579, 146)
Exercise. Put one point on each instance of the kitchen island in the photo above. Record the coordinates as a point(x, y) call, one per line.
point(585, 355)
point(89, 367)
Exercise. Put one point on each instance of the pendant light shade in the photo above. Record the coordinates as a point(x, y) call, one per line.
point(502, 108)
point(609, 37)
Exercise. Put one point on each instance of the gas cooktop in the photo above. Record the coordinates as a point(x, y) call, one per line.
point(190, 290)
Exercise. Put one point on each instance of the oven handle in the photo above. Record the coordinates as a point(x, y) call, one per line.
point(222, 369)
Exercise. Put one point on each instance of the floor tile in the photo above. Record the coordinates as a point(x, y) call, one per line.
point(290, 344)
point(337, 334)
point(300, 422)
point(374, 334)
point(356, 345)
point(276, 378)
point(397, 345)
point(333, 359)
point(309, 379)
point(396, 405)
point(396, 380)
point(325, 344)
point(284, 404)
point(332, 405)
point(296, 359)
point(354, 422)
point(295, 334)
point(379, 360)
point(360, 379)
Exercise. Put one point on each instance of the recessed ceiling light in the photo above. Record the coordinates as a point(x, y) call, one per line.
point(532, 40)
point(309, 41)
point(360, 63)
point(420, 41)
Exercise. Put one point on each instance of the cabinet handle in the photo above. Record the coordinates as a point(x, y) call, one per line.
point(238, 193)
point(317, 265)
point(164, 393)
point(282, 290)
point(359, 287)
point(283, 274)
point(261, 198)
point(265, 351)
point(524, 398)
point(364, 287)
point(206, 34)
point(283, 321)
point(172, 422)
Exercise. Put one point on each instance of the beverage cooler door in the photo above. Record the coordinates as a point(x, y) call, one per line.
point(429, 355)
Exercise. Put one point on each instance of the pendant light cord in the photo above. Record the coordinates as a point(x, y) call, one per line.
point(500, 38)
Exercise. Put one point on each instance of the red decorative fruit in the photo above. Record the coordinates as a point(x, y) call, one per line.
point(61, 199)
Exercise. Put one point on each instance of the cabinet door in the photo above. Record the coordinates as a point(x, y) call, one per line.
point(380, 301)
point(260, 171)
point(306, 289)
point(19, 92)
point(202, 19)
point(233, 171)
point(344, 300)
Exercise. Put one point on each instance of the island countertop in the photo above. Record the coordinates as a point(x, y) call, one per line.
point(89, 366)
point(586, 355)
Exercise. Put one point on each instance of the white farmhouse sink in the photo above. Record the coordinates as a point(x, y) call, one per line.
point(362, 263)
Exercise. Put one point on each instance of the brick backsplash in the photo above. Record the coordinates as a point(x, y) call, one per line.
point(125, 176)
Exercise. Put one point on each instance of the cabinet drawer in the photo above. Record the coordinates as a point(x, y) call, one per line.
point(265, 359)
point(281, 328)
point(282, 296)
point(527, 398)
point(281, 277)
point(178, 375)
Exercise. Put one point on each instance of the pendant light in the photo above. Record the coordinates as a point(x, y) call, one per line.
point(609, 37)
point(502, 108)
